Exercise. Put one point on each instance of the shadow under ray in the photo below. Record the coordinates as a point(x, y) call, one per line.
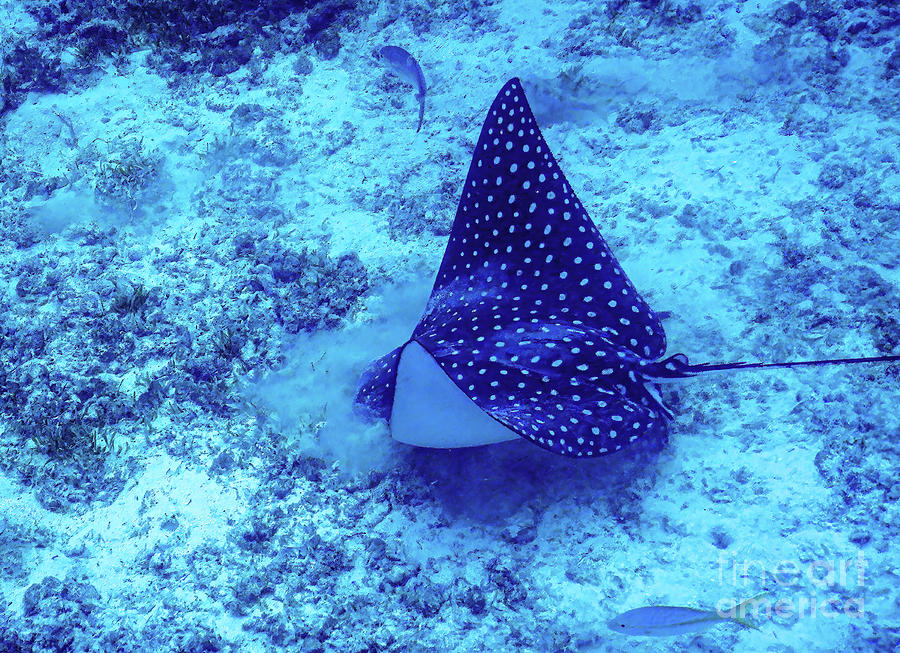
point(490, 483)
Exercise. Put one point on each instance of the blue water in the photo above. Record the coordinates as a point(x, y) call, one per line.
point(215, 215)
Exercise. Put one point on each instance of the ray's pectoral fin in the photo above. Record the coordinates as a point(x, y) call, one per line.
point(375, 393)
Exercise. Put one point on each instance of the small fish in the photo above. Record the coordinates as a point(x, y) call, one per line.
point(405, 66)
point(665, 620)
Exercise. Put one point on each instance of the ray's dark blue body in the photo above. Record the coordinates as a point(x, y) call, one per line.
point(531, 315)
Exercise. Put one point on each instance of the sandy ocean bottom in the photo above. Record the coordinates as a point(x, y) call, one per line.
point(197, 266)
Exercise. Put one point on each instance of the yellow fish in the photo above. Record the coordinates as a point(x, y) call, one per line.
point(664, 620)
point(405, 66)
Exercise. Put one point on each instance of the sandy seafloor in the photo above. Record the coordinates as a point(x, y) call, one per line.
point(197, 265)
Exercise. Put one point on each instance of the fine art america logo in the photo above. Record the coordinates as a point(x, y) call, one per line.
point(819, 588)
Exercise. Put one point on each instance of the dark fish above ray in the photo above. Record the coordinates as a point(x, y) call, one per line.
point(532, 329)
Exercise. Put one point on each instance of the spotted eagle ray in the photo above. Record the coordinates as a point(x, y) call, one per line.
point(532, 329)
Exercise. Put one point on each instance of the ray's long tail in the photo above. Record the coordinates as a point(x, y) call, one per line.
point(678, 366)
